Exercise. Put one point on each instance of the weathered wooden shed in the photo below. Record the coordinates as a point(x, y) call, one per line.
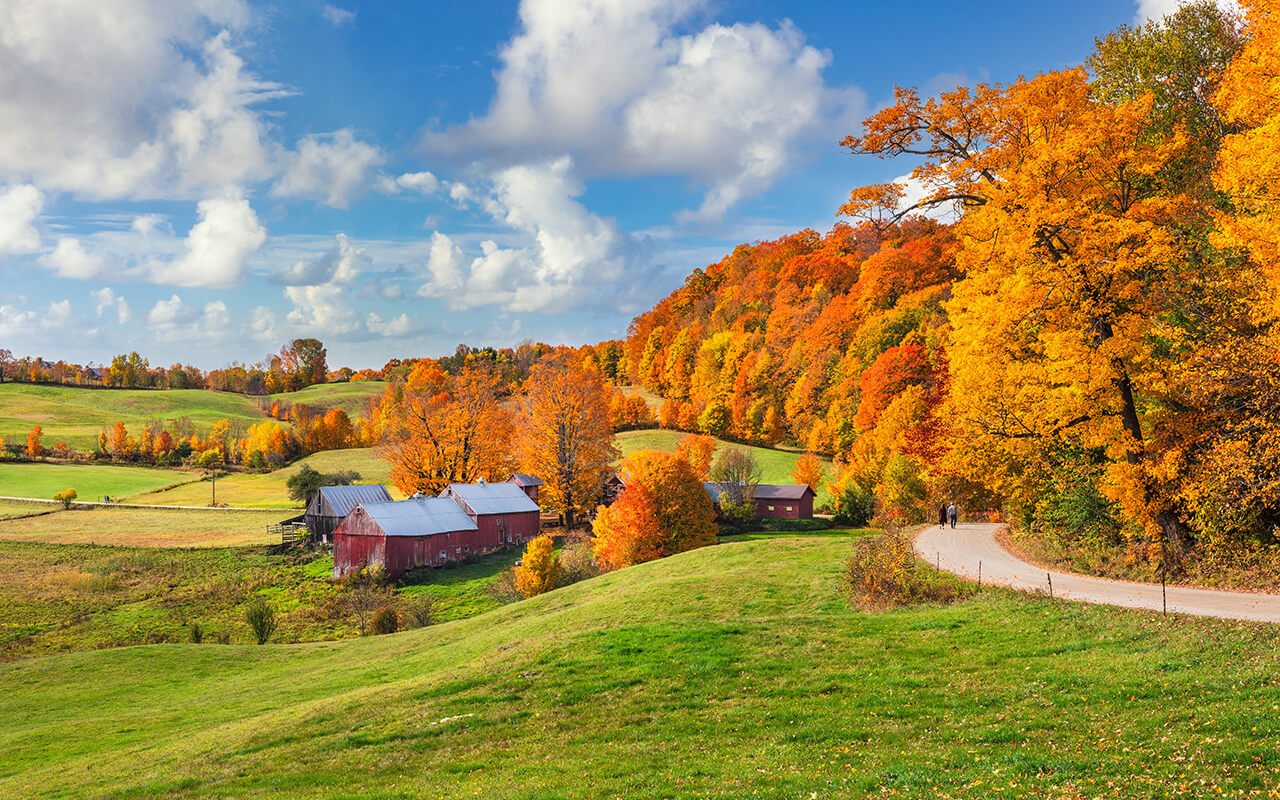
point(613, 486)
point(503, 513)
point(333, 503)
point(401, 535)
point(529, 483)
point(772, 500)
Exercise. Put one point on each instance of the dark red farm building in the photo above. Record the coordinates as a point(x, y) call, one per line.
point(784, 501)
point(774, 501)
point(529, 483)
point(332, 504)
point(401, 535)
point(503, 513)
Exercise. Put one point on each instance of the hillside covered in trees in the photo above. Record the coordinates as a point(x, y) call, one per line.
point(1088, 345)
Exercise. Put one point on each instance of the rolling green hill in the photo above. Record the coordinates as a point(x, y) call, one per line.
point(731, 671)
point(76, 415)
point(350, 397)
point(269, 490)
point(775, 465)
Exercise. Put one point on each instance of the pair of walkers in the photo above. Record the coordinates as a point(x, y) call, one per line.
point(948, 513)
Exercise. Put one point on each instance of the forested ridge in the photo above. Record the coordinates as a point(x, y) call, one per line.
point(1087, 345)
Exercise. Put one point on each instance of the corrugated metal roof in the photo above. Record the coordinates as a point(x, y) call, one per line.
point(419, 516)
point(781, 491)
point(764, 491)
point(494, 498)
point(525, 479)
point(344, 498)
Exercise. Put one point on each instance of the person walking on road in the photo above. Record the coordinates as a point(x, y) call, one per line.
point(942, 515)
point(953, 513)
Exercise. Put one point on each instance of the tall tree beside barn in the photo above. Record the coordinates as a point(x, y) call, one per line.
point(663, 510)
point(565, 436)
point(447, 429)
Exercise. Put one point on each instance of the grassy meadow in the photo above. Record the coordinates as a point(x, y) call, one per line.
point(731, 671)
point(135, 527)
point(350, 397)
point(68, 597)
point(91, 481)
point(775, 465)
point(76, 415)
point(269, 490)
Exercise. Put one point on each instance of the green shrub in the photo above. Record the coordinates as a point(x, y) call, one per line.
point(384, 620)
point(195, 633)
point(503, 589)
point(261, 617)
point(736, 518)
point(883, 573)
point(857, 507)
point(577, 563)
point(418, 611)
point(797, 525)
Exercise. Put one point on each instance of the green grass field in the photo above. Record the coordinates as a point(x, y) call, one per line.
point(91, 481)
point(775, 465)
point(350, 397)
point(731, 671)
point(76, 415)
point(269, 490)
point(136, 527)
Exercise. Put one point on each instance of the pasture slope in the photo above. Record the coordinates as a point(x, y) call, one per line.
point(76, 414)
point(91, 481)
point(731, 671)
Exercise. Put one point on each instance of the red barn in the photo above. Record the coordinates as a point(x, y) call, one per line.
point(774, 501)
point(784, 501)
point(502, 512)
point(401, 535)
point(529, 483)
point(332, 504)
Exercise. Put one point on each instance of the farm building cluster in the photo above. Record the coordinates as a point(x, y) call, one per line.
point(367, 527)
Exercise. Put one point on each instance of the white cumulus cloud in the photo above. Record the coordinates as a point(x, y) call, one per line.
point(105, 300)
point(570, 256)
point(218, 245)
point(69, 259)
point(19, 208)
point(1155, 9)
point(174, 318)
point(331, 168)
point(339, 265)
point(613, 84)
point(338, 17)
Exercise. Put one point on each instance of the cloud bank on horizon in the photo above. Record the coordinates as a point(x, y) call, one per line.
point(183, 186)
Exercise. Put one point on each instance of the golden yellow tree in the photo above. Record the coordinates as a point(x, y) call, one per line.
point(539, 569)
point(565, 436)
point(1070, 253)
point(448, 429)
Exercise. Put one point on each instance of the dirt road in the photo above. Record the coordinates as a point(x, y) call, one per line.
point(973, 546)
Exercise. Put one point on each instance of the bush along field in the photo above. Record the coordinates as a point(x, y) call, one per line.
point(732, 671)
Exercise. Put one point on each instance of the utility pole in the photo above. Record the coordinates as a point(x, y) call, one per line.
point(214, 473)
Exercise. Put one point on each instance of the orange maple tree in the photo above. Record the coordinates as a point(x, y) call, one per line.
point(446, 429)
point(564, 436)
point(663, 509)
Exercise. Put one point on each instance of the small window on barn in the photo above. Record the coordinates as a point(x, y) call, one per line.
point(444, 553)
point(457, 549)
point(466, 549)
point(788, 508)
point(770, 508)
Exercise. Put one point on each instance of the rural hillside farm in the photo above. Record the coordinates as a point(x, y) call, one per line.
point(611, 399)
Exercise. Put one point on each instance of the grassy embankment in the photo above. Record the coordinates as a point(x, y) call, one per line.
point(351, 397)
point(731, 671)
point(775, 465)
point(91, 481)
point(69, 597)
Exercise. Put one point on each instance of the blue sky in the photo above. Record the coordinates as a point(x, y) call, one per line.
point(203, 181)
